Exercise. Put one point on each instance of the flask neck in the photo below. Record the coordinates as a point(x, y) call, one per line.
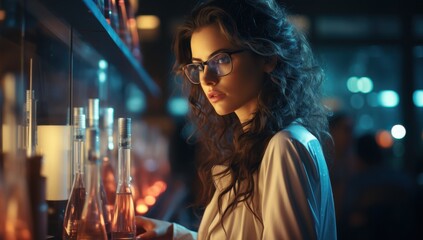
point(107, 143)
point(124, 163)
point(93, 184)
point(78, 156)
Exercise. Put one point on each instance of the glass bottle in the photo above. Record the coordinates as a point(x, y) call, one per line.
point(35, 181)
point(123, 30)
point(93, 113)
point(123, 223)
point(92, 224)
point(30, 123)
point(111, 14)
point(133, 30)
point(78, 193)
point(108, 157)
point(94, 122)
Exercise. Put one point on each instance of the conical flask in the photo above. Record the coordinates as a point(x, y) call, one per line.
point(123, 223)
point(78, 192)
point(108, 157)
point(92, 224)
point(93, 122)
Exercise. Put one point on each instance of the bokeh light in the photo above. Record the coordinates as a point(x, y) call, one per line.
point(362, 84)
point(178, 106)
point(141, 207)
point(398, 131)
point(357, 101)
point(352, 84)
point(150, 200)
point(388, 98)
point(384, 139)
point(102, 76)
point(418, 98)
point(365, 84)
point(102, 64)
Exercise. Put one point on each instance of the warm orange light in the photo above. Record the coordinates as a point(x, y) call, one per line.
point(384, 139)
point(132, 22)
point(153, 191)
point(2, 15)
point(141, 207)
point(161, 185)
point(148, 22)
point(150, 200)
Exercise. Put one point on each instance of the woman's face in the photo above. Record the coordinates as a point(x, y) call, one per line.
point(236, 92)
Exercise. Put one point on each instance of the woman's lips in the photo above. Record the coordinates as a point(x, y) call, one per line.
point(215, 96)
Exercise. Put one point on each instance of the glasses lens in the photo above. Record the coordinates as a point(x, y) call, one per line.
point(220, 64)
point(192, 71)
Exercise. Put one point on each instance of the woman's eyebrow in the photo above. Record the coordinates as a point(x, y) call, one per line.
point(210, 55)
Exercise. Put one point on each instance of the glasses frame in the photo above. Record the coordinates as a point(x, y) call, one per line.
point(203, 64)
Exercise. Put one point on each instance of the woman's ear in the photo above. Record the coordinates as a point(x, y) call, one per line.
point(270, 63)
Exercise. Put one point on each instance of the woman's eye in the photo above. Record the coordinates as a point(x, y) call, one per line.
point(222, 59)
point(199, 67)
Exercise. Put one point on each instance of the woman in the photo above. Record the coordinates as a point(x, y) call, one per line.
point(254, 95)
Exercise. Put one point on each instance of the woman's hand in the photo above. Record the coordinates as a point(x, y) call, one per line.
point(148, 228)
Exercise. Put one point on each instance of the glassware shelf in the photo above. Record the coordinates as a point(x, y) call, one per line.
point(84, 18)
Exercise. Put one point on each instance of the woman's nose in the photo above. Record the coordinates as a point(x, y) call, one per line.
point(209, 76)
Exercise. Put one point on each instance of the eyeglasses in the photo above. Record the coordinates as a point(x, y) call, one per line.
point(219, 64)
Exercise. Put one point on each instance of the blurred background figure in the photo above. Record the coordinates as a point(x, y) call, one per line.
point(378, 202)
point(341, 127)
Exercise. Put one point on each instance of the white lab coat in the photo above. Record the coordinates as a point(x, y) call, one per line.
point(293, 196)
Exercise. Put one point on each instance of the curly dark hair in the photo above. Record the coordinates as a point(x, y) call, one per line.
point(290, 92)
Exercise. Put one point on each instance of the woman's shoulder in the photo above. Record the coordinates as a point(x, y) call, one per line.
point(294, 146)
point(293, 132)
